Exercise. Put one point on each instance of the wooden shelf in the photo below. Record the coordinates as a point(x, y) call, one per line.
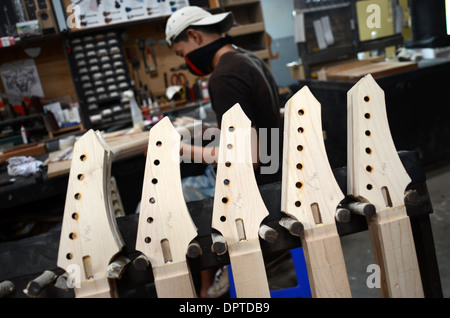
point(263, 54)
point(63, 131)
point(246, 29)
point(250, 31)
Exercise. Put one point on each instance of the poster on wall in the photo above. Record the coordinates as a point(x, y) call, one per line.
point(21, 78)
point(96, 13)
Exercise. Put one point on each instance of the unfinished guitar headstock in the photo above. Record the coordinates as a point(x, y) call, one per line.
point(89, 236)
point(165, 225)
point(238, 206)
point(375, 172)
point(311, 195)
point(376, 175)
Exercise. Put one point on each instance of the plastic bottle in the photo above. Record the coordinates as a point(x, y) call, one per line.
point(205, 92)
point(23, 133)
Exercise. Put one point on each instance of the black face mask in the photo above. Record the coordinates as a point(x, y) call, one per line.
point(199, 60)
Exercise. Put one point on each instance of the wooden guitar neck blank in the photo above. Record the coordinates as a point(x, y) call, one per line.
point(165, 225)
point(311, 195)
point(89, 236)
point(377, 176)
point(238, 206)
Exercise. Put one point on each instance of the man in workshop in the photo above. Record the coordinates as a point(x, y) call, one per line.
point(235, 76)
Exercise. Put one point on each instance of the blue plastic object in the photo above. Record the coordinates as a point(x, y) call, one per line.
point(302, 290)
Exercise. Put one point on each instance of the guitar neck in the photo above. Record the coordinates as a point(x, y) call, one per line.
point(395, 253)
point(325, 263)
point(310, 194)
point(174, 281)
point(89, 234)
point(376, 175)
point(165, 225)
point(238, 206)
point(99, 288)
point(249, 273)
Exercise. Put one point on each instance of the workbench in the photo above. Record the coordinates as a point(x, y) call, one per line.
point(24, 260)
point(417, 107)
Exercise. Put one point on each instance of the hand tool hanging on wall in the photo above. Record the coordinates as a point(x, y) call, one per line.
point(165, 226)
point(151, 42)
point(89, 236)
point(238, 206)
point(376, 175)
point(311, 195)
point(141, 45)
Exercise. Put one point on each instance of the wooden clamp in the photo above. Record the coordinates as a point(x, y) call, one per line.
point(377, 176)
point(165, 226)
point(238, 206)
point(89, 236)
point(311, 195)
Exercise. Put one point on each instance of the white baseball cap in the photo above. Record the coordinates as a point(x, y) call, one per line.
point(195, 16)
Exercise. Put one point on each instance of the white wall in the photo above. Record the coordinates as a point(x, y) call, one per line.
point(278, 17)
point(279, 24)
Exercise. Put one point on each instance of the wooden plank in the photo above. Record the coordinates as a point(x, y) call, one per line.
point(89, 236)
point(122, 146)
point(238, 206)
point(23, 150)
point(310, 194)
point(376, 175)
point(165, 226)
point(377, 69)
